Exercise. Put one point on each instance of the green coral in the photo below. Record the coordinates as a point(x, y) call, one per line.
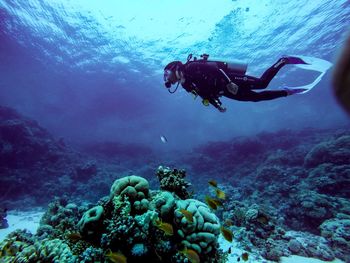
point(200, 235)
point(135, 187)
point(129, 220)
point(163, 202)
point(90, 221)
point(60, 217)
point(54, 250)
point(22, 249)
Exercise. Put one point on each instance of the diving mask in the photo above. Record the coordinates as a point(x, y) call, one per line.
point(169, 78)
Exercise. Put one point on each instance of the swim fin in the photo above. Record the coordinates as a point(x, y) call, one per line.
point(295, 91)
point(293, 60)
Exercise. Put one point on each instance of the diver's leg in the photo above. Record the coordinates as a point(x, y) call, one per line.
point(269, 95)
point(271, 72)
point(249, 95)
point(247, 82)
point(250, 82)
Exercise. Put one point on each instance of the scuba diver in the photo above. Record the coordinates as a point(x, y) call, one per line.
point(213, 79)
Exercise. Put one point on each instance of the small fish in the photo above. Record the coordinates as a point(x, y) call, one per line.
point(213, 183)
point(115, 257)
point(262, 219)
point(229, 250)
point(217, 202)
point(163, 139)
point(220, 194)
point(227, 234)
point(245, 256)
point(74, 237)
point(188, 215)
point(228, 222)
point(8, 250)
point(191, 255)
point(211, 203)
point(165, 227)
point(238, 259)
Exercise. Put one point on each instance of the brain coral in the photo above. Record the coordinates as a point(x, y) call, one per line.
point(201, 235)
point(164, 202)
point(135, 187)
point(91, 220)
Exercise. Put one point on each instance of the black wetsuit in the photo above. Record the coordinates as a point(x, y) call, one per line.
point(205, 79)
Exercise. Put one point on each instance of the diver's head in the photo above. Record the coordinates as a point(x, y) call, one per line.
point(172, 73)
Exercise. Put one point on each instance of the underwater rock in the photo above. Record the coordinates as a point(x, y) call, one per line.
point(34, 167)
point(308, 209)
point(309, 245)
point(337, 231)
point(23, 142)
point(294, 246)
point(331, 179)
point(86, 170)
point(334, 150)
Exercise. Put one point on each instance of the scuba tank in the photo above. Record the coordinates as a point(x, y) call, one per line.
point(234, 66)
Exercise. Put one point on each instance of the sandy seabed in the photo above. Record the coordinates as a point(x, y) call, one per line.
point(21, 220)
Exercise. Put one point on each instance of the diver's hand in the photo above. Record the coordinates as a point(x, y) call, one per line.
point(222, 109)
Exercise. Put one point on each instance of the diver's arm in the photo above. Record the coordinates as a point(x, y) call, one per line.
point(217, 104)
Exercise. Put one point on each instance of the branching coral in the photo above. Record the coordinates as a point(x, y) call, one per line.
point(173, 181)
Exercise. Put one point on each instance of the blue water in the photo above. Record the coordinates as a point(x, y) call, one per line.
point(93, 71)
point(83, 103)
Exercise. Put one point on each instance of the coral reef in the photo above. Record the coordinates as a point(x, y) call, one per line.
point(256, 230)
point(201, 234)
point(35, 167)
point(335, 151)
point(303, 185)
point(337, 231)
point(288, 191)
point(173, 181)
point(91, 221)
point(134, 221)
